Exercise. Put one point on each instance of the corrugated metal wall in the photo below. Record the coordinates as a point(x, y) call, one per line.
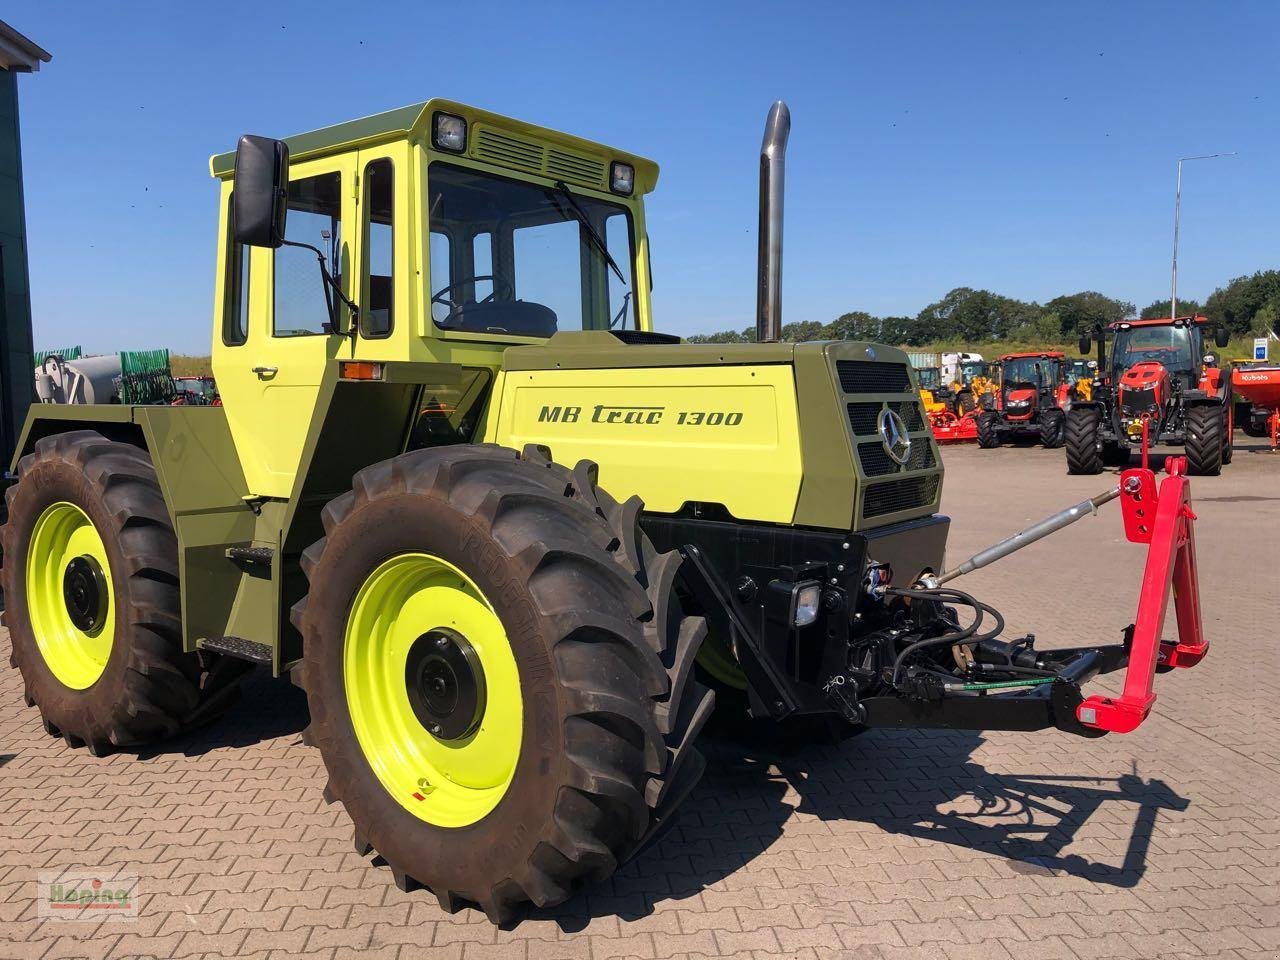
point(16, 391)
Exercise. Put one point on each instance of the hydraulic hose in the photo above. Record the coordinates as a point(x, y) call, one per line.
point(967, 635)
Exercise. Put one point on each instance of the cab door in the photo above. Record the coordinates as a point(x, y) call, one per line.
point(270, 382)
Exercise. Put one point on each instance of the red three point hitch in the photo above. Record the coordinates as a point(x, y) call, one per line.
point(1164, 520)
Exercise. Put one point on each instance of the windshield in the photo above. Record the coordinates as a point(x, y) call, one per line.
point(972, 369)
point(1170, 346)
point(1037, 370)
point(930, 377)
point(509, 257)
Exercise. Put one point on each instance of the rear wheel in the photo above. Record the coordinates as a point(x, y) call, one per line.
point(1206, 426)
point(988, 434)
point(966, 403)
point(499, 673)
point(1053, 426)
point(91, 588)
point(1081, 436)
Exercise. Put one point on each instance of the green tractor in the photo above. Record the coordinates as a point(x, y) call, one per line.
point(506, 536)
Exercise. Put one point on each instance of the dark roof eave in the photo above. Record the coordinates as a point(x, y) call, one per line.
point(22, 53)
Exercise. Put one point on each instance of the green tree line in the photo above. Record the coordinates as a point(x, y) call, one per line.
point(1246, 305)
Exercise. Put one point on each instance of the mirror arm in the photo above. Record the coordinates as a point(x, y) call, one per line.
point(331, 289)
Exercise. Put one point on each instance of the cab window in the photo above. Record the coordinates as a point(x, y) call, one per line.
point(526, 259)
point(378, 288)
point(235, 294)
point(315, 218)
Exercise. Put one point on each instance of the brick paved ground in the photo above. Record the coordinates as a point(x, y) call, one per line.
point(1163, 843)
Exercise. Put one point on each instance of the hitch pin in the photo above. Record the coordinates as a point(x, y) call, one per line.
point(1037, 531)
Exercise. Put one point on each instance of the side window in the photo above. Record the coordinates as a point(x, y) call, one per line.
point(622, 304)
point(548, 260)
point(235, 297)
point(378, 288)
point(441, 254)
point(315, 218)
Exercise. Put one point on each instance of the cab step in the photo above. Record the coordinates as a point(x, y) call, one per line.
point(255, 556)
point(239, 648)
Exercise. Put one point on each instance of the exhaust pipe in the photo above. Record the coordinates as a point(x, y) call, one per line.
point(773, 152)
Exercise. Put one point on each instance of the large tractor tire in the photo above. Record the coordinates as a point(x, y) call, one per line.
point(988, 434)
point(92, 605)
point(499, 673)
point(1206, 428)
point(1081, 437)
point(1053, 429)
point(966, 404)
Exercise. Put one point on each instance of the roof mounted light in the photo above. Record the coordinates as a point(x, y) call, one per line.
point(622, 178)
point(449, 132)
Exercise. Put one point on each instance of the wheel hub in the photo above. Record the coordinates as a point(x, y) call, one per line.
point(445, 683)
point(84, 591)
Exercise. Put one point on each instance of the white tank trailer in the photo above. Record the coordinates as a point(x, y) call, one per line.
point(83, 380)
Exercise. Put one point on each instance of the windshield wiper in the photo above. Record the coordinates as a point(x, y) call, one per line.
point(597, 241)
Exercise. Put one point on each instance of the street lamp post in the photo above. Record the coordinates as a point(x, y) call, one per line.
point(1177, 215)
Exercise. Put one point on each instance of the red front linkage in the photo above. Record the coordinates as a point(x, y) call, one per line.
point(1164, 520)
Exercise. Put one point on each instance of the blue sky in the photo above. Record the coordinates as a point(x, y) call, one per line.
point(1028, 148)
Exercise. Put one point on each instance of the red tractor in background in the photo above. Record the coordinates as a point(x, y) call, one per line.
point(1031, 394)
point(1162, 380)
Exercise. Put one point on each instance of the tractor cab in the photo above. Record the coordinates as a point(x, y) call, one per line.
point(1030, 382)
point(930, 377)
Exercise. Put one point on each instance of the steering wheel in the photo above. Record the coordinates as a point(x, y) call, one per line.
point(454, 305)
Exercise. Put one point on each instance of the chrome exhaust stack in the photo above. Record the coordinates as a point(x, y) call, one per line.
point(773, 152)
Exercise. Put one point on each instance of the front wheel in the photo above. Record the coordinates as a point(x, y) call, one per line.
point(1080, 433)
point(988, 432)
point(1053, 426)
point(1206, 427)
point(499, 673)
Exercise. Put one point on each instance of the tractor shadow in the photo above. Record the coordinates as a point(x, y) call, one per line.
point(921, 784)
point(269, 708)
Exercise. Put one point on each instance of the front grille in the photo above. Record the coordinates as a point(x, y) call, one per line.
point(876, 461)
point(865, 376)
point(864, 418)
point(507, 150)
point(893, 496)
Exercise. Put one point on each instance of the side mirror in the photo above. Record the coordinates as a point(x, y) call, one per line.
point(1221, 337)
point(1085, 343)
point(259, 200)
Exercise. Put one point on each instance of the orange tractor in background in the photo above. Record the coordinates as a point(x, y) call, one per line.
point(1162, 385)
point(1031, 396)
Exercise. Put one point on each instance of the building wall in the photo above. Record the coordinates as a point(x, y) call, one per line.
point(16, 357)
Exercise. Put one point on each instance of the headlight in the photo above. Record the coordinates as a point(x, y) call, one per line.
point(449, 132)
point(807, 596)
point(622, 178)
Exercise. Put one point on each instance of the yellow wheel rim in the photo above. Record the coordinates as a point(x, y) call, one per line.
point(69, 595)
point(421, 637)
